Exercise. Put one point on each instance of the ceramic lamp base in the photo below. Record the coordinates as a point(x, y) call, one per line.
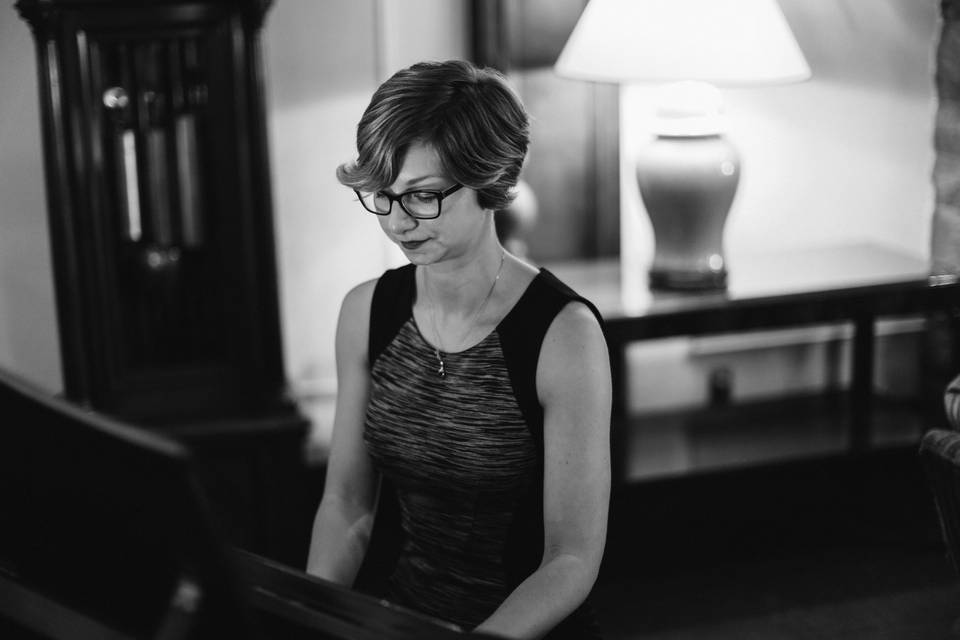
point(687, 184)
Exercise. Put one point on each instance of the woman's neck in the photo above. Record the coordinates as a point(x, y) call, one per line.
point(458, 286)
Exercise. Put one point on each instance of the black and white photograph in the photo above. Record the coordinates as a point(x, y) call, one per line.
point(427, 319)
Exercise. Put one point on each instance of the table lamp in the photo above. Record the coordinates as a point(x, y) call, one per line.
point(689, 171)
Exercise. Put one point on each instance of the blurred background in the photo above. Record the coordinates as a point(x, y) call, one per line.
point(844, 158)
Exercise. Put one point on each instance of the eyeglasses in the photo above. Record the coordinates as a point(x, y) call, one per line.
point(420, 204)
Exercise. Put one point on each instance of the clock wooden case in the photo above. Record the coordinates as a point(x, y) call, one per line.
point(159, 205)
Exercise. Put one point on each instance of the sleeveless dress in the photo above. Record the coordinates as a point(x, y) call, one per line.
point(460, 455)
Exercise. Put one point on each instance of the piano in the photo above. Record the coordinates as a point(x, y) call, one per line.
point(105, 533)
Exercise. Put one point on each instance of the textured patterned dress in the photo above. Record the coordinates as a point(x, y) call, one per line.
point(461, 454)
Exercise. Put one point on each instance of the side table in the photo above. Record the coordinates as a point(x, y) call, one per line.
point(854, 283)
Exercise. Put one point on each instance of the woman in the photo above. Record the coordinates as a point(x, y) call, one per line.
point(474, 385)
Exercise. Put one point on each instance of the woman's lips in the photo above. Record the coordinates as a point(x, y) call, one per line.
point(411, 244)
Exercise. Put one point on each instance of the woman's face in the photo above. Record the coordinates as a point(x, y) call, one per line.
point(458, 231)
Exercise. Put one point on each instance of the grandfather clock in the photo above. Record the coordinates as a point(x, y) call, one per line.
point(157, 180)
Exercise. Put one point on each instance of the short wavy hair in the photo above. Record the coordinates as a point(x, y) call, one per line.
point(469, 115)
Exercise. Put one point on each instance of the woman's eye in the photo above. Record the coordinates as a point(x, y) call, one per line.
point(424, 196)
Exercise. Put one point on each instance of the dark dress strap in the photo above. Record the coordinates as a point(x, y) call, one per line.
point(391, 306)
point(522, 333)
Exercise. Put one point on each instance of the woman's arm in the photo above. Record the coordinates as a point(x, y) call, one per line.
point(341, 528)
point(573, 382)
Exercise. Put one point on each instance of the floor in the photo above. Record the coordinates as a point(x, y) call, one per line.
point(874, 593)
point(838, 546)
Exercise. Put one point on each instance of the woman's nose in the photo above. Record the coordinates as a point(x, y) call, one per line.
point(399, 220)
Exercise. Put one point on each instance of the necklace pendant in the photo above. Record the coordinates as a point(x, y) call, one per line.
point(440, 370)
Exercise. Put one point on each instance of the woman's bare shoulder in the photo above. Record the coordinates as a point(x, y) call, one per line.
point(359, 297)
point(354, 320)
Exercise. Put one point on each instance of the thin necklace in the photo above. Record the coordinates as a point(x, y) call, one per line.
point(441, 366)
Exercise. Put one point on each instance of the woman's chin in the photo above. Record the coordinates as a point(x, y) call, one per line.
point(419, 257)
point(418, 252)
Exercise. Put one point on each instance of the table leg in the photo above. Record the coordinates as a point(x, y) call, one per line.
point(619, 426)
point(861, 384)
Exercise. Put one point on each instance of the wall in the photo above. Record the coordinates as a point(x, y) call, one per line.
point(323, 61)
point(844, 157)
point(28, 325)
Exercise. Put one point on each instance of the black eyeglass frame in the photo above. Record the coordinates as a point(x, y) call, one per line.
point(441, 194)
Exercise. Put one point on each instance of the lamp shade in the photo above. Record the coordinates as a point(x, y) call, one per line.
point(724, 42)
